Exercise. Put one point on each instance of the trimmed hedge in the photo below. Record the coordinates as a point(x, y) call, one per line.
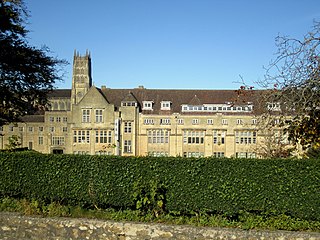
point(226, 186)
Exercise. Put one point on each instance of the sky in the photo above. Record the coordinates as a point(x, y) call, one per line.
point(169, 44)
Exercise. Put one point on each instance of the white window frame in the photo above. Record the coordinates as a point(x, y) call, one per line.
point(99, 115)
point(193, 154)
point(127, 127)
point(195, 121)
point(277, 121)
point(165, 105)
point(165, 121)
point(273, 106)
point(219, 137)
point(239, 121)
point(40, 140)
point(158, 154)
point(101, 136)
point(218, 154)
point(81, 136)
point(158, 136)
point(86, 115)
point(58, 141)
point(246, 155)
point(193, 137)
point(148, 121)
point(147, 105)
point(180, 121)
point(127, 146)
point(80, 152)
point(128, 104)
point(246, 137)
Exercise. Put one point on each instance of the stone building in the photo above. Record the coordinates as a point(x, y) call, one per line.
point(139, 121)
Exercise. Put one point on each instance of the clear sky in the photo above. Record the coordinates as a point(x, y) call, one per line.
point(169, 44)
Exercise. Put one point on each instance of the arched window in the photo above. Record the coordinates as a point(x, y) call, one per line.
point(61, 106)
point(55, 106)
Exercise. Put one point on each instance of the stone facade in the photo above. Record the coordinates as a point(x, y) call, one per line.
point(15, 226)
point(139, 121)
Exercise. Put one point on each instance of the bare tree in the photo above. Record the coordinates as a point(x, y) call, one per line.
point(294, 74)
point(272, 139)
point(292, 84)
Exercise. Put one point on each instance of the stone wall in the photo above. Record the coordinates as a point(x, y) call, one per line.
point(16, 226)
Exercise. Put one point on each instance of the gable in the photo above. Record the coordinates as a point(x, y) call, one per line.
point(93, 98)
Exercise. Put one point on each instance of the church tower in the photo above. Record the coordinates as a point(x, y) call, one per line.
point(81, 77)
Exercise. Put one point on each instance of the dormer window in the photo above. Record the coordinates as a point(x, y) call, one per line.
point(165, 105)
point(273, 106)
point(147, 105)
point(128, 104)
point(216, 108)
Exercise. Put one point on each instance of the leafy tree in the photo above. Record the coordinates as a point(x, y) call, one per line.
point(305, 130)
point(27, 73)
point(13, 142)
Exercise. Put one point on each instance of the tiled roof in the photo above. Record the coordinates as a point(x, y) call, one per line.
point(33, 118)
point(195, 101)
point(129, 98)
point(105, 97)
point(60, 93)
point(177, 97)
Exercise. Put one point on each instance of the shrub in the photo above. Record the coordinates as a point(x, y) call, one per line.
point(225, 186)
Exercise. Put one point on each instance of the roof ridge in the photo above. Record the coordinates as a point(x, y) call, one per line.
point(195, 101)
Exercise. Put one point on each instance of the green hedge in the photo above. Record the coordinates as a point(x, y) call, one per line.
point(226, 186)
